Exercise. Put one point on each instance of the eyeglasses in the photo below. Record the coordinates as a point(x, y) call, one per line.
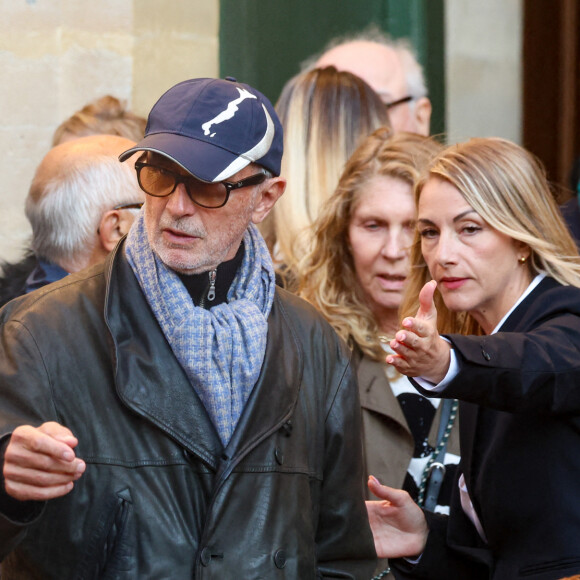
point(160, 182)
point(136, 205)
point(399, 102)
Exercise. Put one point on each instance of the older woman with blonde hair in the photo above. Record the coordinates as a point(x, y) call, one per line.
point(355, 275)
point(325, 113)
point(492, 243)
point(330, 274)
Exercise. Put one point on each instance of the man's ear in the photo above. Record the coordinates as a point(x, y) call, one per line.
point(115, 223)
point(422, 114)
point(273, 189)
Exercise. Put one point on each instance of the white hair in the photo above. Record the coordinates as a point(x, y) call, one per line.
point(416, 84)
point(65, 211)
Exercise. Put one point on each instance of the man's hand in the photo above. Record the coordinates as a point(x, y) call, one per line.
point(420, 351)
point(398, 524)
point(39, 462)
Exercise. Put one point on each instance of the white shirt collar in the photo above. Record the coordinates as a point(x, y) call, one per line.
point(532, 285)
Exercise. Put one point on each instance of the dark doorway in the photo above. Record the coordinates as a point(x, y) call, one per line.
point(551, 86)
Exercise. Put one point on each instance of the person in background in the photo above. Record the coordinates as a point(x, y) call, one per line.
point(325, 113)
point(496, 272)
point(391, 68)
point(171, 412)
point(106, 115)
point(355, 275)
point(81, 202)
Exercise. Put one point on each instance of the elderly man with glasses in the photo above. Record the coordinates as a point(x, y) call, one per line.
point(172, 413)
point(391, 68)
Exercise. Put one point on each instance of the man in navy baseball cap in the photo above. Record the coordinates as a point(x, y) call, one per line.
point(218, 145)
point(206, 421)
point(213, 128)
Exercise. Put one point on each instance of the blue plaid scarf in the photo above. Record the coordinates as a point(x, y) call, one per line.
point(221, 349)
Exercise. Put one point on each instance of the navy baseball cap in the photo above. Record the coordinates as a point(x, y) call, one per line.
point(213, 128)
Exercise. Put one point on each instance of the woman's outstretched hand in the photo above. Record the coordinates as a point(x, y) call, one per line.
point(397, 522)
point(419, 350)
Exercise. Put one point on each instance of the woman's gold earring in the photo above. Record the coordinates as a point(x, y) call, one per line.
point(522, 260)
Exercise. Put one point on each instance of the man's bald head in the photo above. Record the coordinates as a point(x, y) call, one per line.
point(75, 185)
point(391, 69)
point(68, 156)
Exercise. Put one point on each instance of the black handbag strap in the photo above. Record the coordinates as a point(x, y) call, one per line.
point(434, 471)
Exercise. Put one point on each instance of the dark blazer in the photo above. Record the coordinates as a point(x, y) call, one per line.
point(520, 448)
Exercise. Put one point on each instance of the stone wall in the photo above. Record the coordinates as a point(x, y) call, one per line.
point(58, 55)
point(483, 44)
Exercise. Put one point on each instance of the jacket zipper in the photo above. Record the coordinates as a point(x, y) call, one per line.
point(211, 289)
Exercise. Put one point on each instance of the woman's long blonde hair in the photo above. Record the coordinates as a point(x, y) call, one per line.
point(325, 113)
point(507, 186)
point(326, 273)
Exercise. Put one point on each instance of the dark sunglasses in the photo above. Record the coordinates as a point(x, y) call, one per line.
point(161, 182)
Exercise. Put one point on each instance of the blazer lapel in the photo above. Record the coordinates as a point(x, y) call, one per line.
point(376, 394)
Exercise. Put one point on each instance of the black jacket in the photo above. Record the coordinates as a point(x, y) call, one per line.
point(160, 497)
point(520, 448)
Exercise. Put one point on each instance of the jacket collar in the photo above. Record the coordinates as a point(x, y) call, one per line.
point(150, 381)
point(44, 273)
point(375, 391)
point(526, 309)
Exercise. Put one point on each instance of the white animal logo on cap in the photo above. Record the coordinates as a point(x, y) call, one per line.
point(254, 154)
point(230, 111)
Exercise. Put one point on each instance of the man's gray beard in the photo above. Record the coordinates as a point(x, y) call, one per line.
point(204, 263)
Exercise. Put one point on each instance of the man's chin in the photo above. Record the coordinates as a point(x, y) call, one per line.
point(181, 261)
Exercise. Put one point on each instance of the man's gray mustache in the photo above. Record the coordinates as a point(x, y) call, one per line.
point(183, 227)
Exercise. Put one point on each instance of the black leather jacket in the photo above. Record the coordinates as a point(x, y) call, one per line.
point(160, 497)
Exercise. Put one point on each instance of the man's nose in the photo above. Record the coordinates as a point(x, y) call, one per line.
point(179, 202)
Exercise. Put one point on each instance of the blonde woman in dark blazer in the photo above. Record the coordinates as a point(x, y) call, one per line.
point(491, 240)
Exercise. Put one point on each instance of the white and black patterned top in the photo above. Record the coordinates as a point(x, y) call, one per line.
point(419, 412)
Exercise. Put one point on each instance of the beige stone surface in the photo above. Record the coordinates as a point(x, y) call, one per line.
point(483, 43)
point(22, 149)
point(58, 55)
point(172, 46)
